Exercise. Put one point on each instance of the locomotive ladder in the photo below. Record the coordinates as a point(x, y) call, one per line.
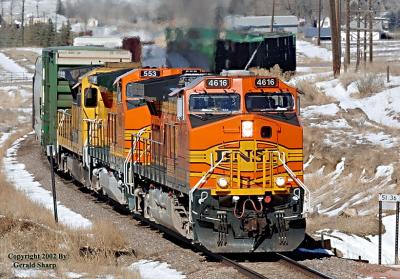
point(129, 161)
point(307, 193)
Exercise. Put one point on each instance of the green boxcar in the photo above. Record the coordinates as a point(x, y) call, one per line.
point(56, 71)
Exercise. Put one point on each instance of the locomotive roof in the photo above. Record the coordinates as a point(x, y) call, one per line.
point(158, 88)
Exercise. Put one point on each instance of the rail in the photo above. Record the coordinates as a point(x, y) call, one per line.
point(313, 273)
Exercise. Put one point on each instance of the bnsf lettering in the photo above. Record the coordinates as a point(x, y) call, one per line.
point(246, 156)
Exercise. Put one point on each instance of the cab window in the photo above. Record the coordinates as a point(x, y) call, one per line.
point(215, 103)
point(259, 102)
point(91, 97)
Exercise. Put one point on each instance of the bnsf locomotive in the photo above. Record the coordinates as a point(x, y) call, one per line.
point(215, 158)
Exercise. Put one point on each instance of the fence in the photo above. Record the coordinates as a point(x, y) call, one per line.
point(11, 78)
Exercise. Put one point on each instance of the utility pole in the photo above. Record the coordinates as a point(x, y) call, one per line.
point(334, 39)
point(23, 23)
point(11, 11)
point(347, 54)
point(371, 43)
point(319, 22)
point(339, 22)
point(273, 16)
point(365, 38)
point(358, 35)
point(37, 8)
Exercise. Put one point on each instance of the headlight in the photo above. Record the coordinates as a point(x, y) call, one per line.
point(222, 182)
point(247, 129)
point(280, 181)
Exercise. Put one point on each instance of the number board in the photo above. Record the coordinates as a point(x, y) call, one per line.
point(389, 198)
point(218, 83)
point(150, 73)
point(191, 72)
point(266, 82)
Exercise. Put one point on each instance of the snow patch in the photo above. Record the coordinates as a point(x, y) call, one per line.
point(329, 110)
point(333, 124)
point(9, 65)
point(24, 181)
point(155, 270)
point(353, 246)
point(312, 51)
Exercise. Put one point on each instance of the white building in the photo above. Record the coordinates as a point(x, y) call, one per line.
point(261, 24)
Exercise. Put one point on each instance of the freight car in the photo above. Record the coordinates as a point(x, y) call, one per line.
point(56, 70)
point(230, 49)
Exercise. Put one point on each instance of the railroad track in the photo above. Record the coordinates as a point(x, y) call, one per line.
point(242, 269)
point(310, 272)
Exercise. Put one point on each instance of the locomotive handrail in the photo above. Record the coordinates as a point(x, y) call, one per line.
point(202, 180)
point(131, 150)
point(307, 194)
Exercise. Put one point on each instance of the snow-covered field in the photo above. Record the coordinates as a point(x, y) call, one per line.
point(353, 152)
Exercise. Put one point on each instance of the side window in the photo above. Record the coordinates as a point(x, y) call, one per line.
point(91, 97)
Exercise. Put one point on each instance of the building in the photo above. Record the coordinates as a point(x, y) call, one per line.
point(261, 24)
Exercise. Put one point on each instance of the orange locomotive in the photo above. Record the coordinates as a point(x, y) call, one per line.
point(224, 163)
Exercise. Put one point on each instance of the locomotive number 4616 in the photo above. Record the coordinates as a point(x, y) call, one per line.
point(266, 82)
point(217, 83)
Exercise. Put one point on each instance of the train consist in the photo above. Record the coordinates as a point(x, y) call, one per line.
point(215, 158)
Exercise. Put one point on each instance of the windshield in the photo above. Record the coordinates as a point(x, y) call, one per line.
point(224, 102)
point(269, 102)
point(131, 90)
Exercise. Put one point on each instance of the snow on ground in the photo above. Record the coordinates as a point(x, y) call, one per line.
point(24, 181)
point(4, 137)
point(32, 273)
point(37, 50)
point(353, 246)
point(155, 270)
point(334, 124)
point(10, 65)
point(312, 51)
point(330, 109)
point(383, 107)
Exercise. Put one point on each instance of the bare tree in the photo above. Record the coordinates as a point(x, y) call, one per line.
point(23, 23)
point(347, 53)
point(371, 43)
point(358, 34)
point(319, 22)
point(334, 39)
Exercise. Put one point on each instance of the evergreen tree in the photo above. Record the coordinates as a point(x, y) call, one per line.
point(60, 8)
point(65, 35)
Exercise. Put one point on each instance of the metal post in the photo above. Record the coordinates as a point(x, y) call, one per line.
point(396, 242)
point(380, 234)
point(53, 182)
point(387, 73)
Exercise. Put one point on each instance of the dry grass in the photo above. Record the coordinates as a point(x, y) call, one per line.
point(29, 228)
point(275, 71)
point(350, 225)
point(369, 85)
point(312, 95)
